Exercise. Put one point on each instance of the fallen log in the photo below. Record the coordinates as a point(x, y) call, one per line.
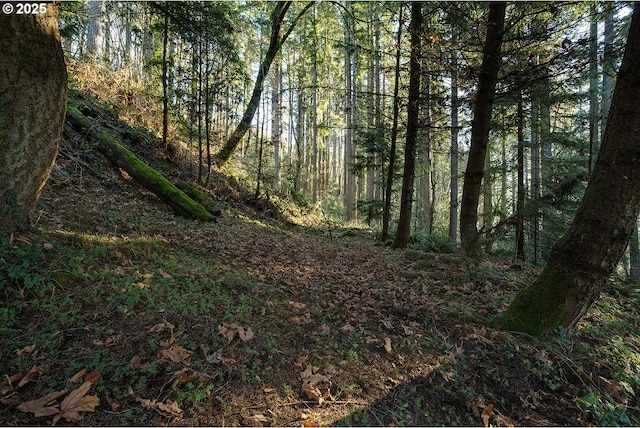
point(200, 197)
point(142, 173)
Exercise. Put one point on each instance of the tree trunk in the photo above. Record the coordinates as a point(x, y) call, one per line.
point(519, 244)
point(276, 96)
point(386, 215)
point(148, 177)
point(535, 171)
point(634, 256)
point(33, 97)
point(94, 31)
point(608, 63)
point(582, 260)
point(469, 235)
point(165, 83)
point(426, 181)
point(413, 124)
point(455, 129)
point(349, 150)
point(593, 86)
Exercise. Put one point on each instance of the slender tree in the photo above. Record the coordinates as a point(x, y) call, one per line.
point(469, 234)
point(413, 124)
point(386, 214)
point(455, 130)
point(33, 98)
point(585, 256)
point(276, 40)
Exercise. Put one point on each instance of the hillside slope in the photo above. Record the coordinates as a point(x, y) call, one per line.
point(252, 321)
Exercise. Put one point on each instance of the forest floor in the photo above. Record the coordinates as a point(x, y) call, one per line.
point(116, 312)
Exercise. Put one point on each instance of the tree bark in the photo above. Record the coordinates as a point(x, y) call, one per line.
point(413, 124)
point(519, 244)
point(386, 215)
point(455, 129)
point(148, 177)
point(33, 97)
point(480, 125)
point(582, 260)
point(350, 181)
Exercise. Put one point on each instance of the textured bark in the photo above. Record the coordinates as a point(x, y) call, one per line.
point(480, 125)
point(413, 124)
point(583, 259)
point(33, 96)
point(143, 174)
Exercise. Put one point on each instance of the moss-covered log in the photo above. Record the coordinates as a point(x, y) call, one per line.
point(200, 197)
point(142, 173)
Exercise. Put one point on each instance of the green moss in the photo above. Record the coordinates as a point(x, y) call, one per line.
point(539, 308)
point(140, 171)
point(199, 196)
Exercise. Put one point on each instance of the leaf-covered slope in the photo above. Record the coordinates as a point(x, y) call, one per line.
point(250, 322)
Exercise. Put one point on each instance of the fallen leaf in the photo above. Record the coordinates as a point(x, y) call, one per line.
point(35, 371)
point(486, 414)
point(316, 387)
point(169, 408)
point(177, 354)
point(76, 377)
point(7, 384)
point(112, 403)
point(245, 335)
point(387, 345)
point(230, 331)
point(297, 305)
point(77, 401)
point(40, 407)
point(136, 363)
point(211, 358)
point(254, 421)
point(26, 350)
point(164, 274)
point(92, 377)
point(164, 325)
point(181, 376)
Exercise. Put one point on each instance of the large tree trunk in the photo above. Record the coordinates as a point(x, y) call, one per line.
point(469, 235)
point(413, 124)
point(582, 260)
point(33, 96)
point(148, 177)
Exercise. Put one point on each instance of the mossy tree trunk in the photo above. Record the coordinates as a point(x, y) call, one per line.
point(142, 173)
point(33, 96)
point(583, 259)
